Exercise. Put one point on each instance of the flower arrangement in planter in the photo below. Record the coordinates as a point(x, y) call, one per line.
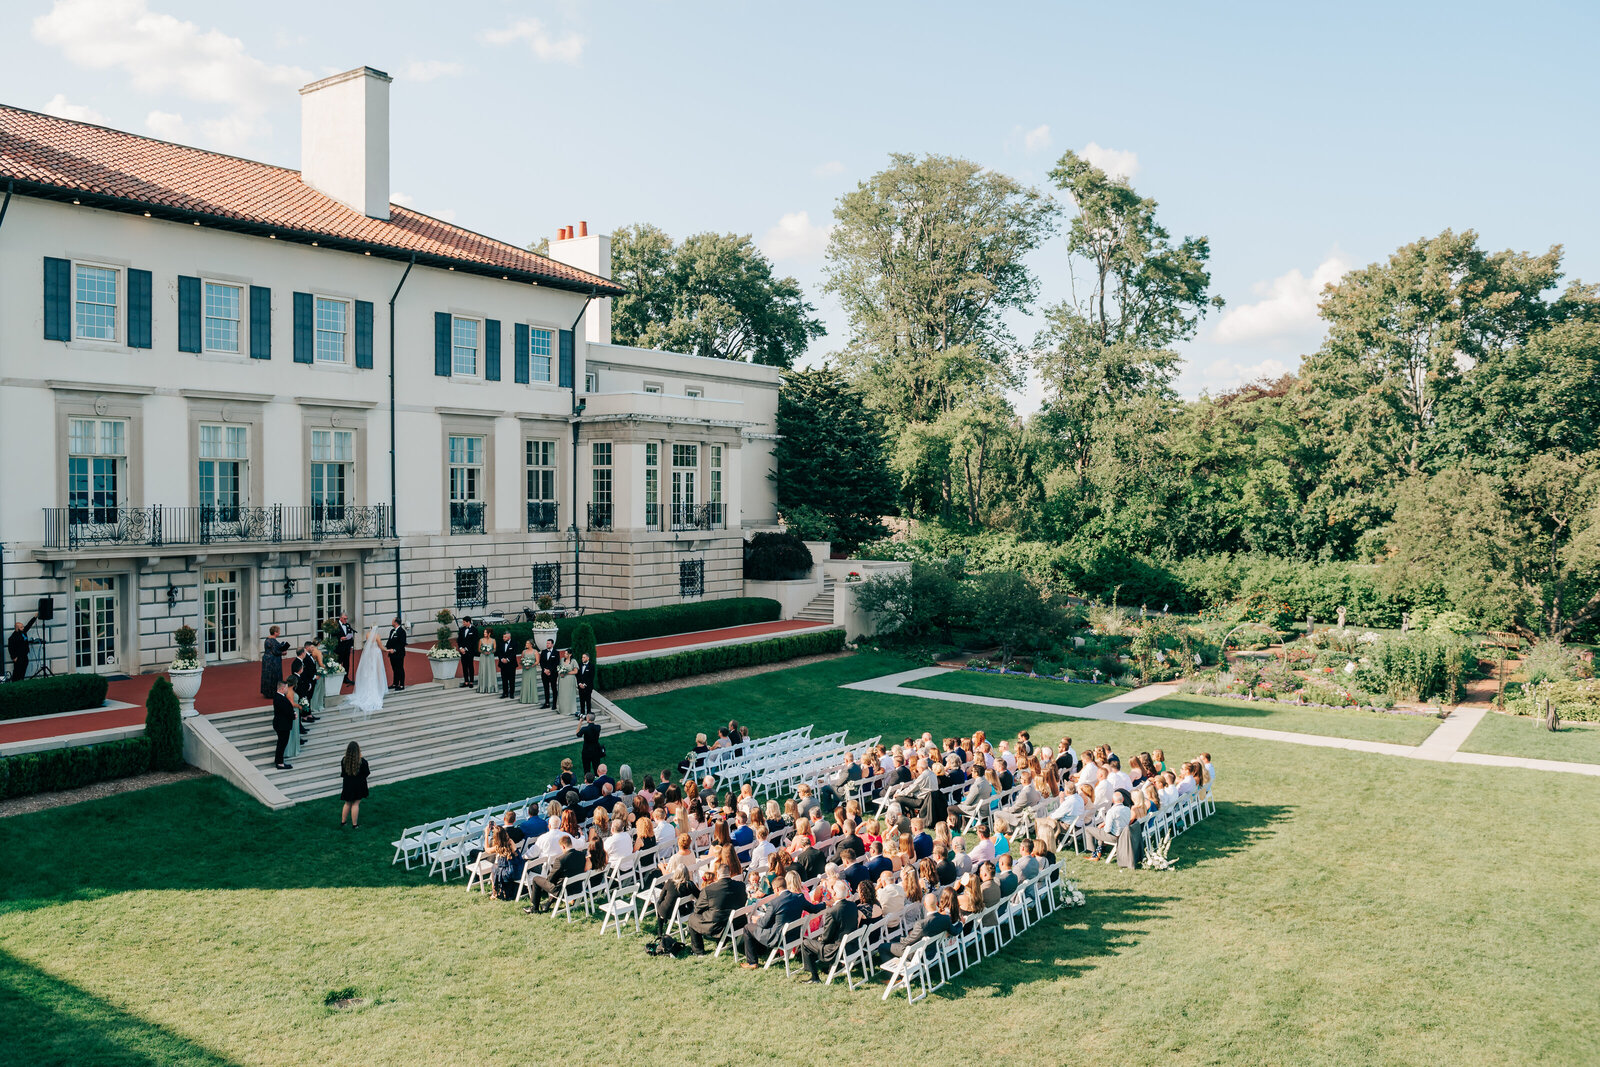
point(186, 669)
point(330, 649)
point(187, 657)
point(853, 576)
point(544, 621)
point(441, 657)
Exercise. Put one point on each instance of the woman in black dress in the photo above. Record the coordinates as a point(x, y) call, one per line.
point(354, 770)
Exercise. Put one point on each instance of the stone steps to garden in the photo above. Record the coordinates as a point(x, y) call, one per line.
point(821, 607)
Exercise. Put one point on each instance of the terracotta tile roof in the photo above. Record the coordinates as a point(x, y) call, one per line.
point(109, 168)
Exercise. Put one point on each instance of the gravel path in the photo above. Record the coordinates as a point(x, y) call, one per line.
point(45, 801)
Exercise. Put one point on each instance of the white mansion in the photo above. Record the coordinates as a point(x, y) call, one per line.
point(233, 395)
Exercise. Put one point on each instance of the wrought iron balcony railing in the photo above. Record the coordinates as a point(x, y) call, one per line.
point(600, 516)
point(695, 516)
point(543, 515)
point(466, 516)
point(78, 527)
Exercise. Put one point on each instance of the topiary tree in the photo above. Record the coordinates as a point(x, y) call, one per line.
point(583, 641)
point(163, 725)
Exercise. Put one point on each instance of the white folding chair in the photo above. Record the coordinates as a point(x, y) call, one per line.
point(788, 943)
point(916, 963)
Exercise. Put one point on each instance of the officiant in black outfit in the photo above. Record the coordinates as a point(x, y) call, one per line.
point(467, 645)
point(396, 644)
point(345, 649)
point(272, 650)
point(549, 660)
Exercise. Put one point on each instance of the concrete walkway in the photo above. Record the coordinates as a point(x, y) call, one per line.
point(1443, 745)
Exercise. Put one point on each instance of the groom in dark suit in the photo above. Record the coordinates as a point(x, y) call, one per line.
point(505, 654)
point(346, 648)
point(549, 660)
point(467, 637)
point(396, 644)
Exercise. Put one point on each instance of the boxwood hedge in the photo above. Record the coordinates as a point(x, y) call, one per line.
point(637, 623)
point(615, 675)
point(69, 768)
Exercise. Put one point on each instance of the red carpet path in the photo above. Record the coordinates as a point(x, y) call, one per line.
point(238, 685)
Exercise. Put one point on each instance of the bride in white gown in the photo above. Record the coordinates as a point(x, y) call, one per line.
point(371, 681)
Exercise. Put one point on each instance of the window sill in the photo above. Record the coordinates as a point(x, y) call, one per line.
point(103, 346)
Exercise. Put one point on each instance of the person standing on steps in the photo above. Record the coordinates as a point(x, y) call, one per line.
point(272, 650)
point(567, 685)
point(549, 660)
point(396, 644)
point(488, 671)
point(506, 657)
point(593, 752)
point(345, 649)
point(529, 661)
point(467, 649)
point(586, 673)
point(353, 770)
point(282, 722)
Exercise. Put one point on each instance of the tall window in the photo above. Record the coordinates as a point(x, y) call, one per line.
point(685, 464)
point(464, 347)
point(652, 485)
point(94, 303)
point(96, 452)
point(333, 325)
point(714, 488)
point(541, 477)
point(466, 484)
point(329, 593)
point(600, 486)
point(332, 453)
point(222, 318)
point(591, 382)
point(547, 580)
point(223, 452)
point(539, 354)
point(94, 623)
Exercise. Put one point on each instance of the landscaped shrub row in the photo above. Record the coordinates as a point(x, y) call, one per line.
point(69, 768)
point(700, 661)
point(638, 623)
point(52, 695)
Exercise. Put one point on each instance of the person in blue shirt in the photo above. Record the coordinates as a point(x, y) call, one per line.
point(533, 824)
point(742, 837)
point(921, 840)
point(877, 862)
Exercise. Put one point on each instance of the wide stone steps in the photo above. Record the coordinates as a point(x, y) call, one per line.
point(425, 730)
point(821, 607)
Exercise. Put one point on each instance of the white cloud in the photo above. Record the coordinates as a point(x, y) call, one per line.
point(57, 105)
point(544, 44)
point(426, 70)
point(828, 169)
point(163, 54)
point(1036, 139)
point(1286, 306)
point(1115, 162)
point(407, 200)
point(167, 125)
point(796, 237)
point(1221, 375)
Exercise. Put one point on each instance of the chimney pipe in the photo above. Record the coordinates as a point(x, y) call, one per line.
point(583, 229)
point(561, 234)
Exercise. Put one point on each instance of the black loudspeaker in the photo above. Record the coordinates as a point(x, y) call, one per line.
point(47, 608)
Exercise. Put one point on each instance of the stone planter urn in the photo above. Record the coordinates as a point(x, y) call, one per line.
point(186, 683)
point(443, 667)
point(541, 634)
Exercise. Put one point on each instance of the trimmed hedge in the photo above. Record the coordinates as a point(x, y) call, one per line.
point(52, 695)
point(703, 660)
point(69, 768)
point(638, 623)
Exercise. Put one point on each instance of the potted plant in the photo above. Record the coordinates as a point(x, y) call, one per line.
point(330, 677)
point(185, 669)
point(544, 623)
point(441, 657)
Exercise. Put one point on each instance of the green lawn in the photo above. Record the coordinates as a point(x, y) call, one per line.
point(1339, 908)
point(1267, 715)
point(1515, 735)
point(1017, 687)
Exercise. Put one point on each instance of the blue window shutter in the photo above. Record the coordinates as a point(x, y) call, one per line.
point(188, 314)
point(260, 322)
point(519, 354)
point(441, 343)
point(57, 299)
point(364, 334)
point(304, 311)
point(566, 359)
point(491, 350)
point(138, 308)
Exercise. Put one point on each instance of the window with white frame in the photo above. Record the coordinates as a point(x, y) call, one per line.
point(652, 387)
point(538, 354)
point(466, 484)
point(224, 450)
point(94, 302)
point(333, 453)
point(333, 329)
point(222, 317)
point(694, 391)
point(685, 467)
point(540, 471)
point(591, 382)
point(714, 483)
point(652, 485)
point(600, 486)
point(463, 347)
point(97, 451)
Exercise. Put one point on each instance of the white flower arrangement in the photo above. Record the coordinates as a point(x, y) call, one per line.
point(1156, 859)
point(443, 652)
point(185, 663)
point(330, 666)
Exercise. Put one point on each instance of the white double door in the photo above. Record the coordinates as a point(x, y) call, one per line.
point(223, 609)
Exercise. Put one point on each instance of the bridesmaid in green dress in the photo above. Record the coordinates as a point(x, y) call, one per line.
point(567, 685)
point(488, 669)
point(531, 692)
point(319, 694)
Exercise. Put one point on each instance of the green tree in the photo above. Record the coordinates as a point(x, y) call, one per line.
point(916, 603)
point(713, 295)
point(1009, 609)
point(925, 257)
point(830, 456)
point(583, 641)
point(163, 725)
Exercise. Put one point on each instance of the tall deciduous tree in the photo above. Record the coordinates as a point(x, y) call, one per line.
point(713, 295)
point(830, 455)
point(925, 257)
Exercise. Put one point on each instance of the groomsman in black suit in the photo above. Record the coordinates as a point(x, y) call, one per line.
point(505, 654)
point(346, 648)
point(396, 644)
point(467, 643)
point(305, 683)
point(585, 682)
point(282, 723)
point(549, 659)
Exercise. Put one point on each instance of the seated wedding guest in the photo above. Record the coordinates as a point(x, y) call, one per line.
point(791, 812)
point(700, 749)
point(867, 901)
point(891, 895)
point(904, 852)
point(839, 918)
point(982, 849)
point(533, 824)
point(1118, 777)
point(921, 841)
point(1141, 805)
point(946, 871)
point(1008, 877)
point(851, 870)
point(974, 800)
point(762, 932)
point(945, 918)
point(849, 839)
point(1027, 864)
point(989, 894)
point(912, 911)
point(685, 853)
point(714, 907)
point(1021, 808)
point(726, 854)
point(569, 863)
point(1211, 772)
point(619, 845)
point(1002, 844)
point(513, 831)
point(805, 803)
point(772, 816)
point(496, 846)
point(742, 837)
point(722, 740)
point(876, 862)
point(773, 877)
point(1117, 819)
point(677, 888)
point(1160, 760)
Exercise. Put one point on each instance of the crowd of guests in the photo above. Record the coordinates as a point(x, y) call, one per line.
point(885, 836)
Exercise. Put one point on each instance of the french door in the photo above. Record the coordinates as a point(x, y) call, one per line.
point(94, 625)
point(329, 593)
point(222, 614)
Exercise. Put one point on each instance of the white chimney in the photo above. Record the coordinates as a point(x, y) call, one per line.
point(344, 139)
point(577, 247)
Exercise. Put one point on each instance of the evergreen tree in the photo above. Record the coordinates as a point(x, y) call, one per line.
point(163, 725)
point(583, 641)
point(830, 456)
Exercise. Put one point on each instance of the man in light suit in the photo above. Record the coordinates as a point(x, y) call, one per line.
point(761, 934)
point(841, 918)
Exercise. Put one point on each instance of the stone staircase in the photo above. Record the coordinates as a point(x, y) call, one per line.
point(821, 607)
point(424, 730)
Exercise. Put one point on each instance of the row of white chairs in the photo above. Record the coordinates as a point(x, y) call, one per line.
point(703, 763)
point(734, 773)
point(810, 766)
point(419, 843)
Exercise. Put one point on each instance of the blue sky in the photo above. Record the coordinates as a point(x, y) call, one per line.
point(1302, 139)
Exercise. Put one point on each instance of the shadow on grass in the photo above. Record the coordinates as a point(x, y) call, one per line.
point(44, 1020)
point(1234, 827)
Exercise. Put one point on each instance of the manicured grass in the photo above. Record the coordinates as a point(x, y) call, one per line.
point(1017, 687)
point(1267, 715)
point(1322, 916)
point(1516, 735)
